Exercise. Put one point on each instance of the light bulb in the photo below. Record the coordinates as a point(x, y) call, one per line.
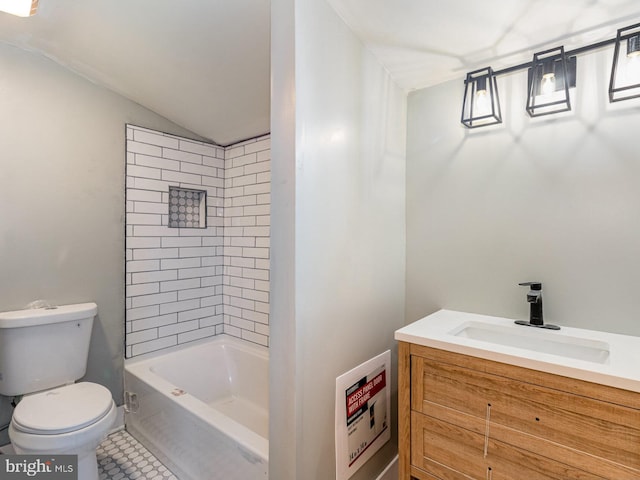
point(632, 70)
point(548, 84)
point(21, 8)
point(482, 102)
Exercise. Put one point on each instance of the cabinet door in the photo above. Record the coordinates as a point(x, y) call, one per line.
point(601, 429)
point(451, 452)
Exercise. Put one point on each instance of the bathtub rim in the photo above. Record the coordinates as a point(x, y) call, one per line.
point(141, 368)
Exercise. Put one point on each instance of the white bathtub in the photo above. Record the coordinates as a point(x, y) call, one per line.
point(202, 409)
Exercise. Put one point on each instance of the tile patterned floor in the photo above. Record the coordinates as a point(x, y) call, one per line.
point(122, 457)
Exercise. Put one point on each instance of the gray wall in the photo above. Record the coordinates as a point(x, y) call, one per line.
point(337, 230)
point(62, 144)
point(554, 199)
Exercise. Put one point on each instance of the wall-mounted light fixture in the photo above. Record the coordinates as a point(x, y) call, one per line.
point(481, 105)
point(549, 80)
point(21, 8)
point(552, 73)
point(625, 71)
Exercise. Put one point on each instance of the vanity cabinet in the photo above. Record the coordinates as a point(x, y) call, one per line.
point(463, 417)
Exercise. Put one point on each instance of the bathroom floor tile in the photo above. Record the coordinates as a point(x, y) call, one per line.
point(122, 457)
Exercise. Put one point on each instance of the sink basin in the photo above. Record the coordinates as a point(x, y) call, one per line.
point(535, 340)
point(593, 356)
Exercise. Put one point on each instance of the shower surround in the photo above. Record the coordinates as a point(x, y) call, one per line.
point(183, 284)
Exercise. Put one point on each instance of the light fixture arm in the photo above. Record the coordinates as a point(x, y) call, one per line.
point(551, 74)
point(568, 53)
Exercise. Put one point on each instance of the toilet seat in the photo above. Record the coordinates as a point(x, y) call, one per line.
point(63, 409)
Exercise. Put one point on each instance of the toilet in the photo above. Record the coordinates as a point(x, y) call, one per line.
point(43, 352)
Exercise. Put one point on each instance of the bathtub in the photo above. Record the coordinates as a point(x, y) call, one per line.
point(202, 409)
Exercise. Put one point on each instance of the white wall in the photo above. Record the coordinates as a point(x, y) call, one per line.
point(338, 229)
point(553, 199)
point(62, 144)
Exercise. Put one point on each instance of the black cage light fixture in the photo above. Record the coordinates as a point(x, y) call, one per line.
point(625, 70)
point(550, 77)
point(481, 104)
point(552, 73)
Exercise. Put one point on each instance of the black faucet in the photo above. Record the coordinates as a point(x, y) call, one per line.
point(534, 297)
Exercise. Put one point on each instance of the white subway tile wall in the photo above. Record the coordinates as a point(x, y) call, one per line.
point(183, 284)
point(247, 219)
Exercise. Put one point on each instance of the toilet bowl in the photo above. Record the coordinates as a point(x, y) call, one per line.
point(73, 419)
point(43, 351)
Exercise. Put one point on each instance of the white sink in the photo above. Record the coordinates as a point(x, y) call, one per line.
point(542, 341)
point(594, 356)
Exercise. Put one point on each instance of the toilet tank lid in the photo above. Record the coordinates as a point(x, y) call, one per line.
point(43, 316)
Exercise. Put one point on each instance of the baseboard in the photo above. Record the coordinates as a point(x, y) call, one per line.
point(6, 449)
point(391, 472)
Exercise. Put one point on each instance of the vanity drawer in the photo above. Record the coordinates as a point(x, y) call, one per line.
point(452, 452)
point(599, 428)
point(419, 474)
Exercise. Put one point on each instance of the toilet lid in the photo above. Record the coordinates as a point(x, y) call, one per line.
point(62, 409)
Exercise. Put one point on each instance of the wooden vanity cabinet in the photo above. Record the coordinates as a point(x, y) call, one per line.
point(463, 417)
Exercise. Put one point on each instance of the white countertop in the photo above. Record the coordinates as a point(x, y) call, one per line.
point(620, 368)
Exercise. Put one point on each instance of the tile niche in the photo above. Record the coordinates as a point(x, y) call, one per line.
point(187, 208)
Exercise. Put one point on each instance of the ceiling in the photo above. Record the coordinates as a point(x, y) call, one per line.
point(204, 64)
point(426, 42)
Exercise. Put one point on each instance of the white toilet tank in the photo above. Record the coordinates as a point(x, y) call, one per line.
point(42, 348)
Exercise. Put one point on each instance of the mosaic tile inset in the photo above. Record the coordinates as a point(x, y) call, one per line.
point(187, 208)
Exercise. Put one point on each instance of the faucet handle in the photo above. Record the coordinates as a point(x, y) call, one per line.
point(533, 285)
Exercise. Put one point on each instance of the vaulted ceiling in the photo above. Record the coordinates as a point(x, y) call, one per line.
point(204, 64)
